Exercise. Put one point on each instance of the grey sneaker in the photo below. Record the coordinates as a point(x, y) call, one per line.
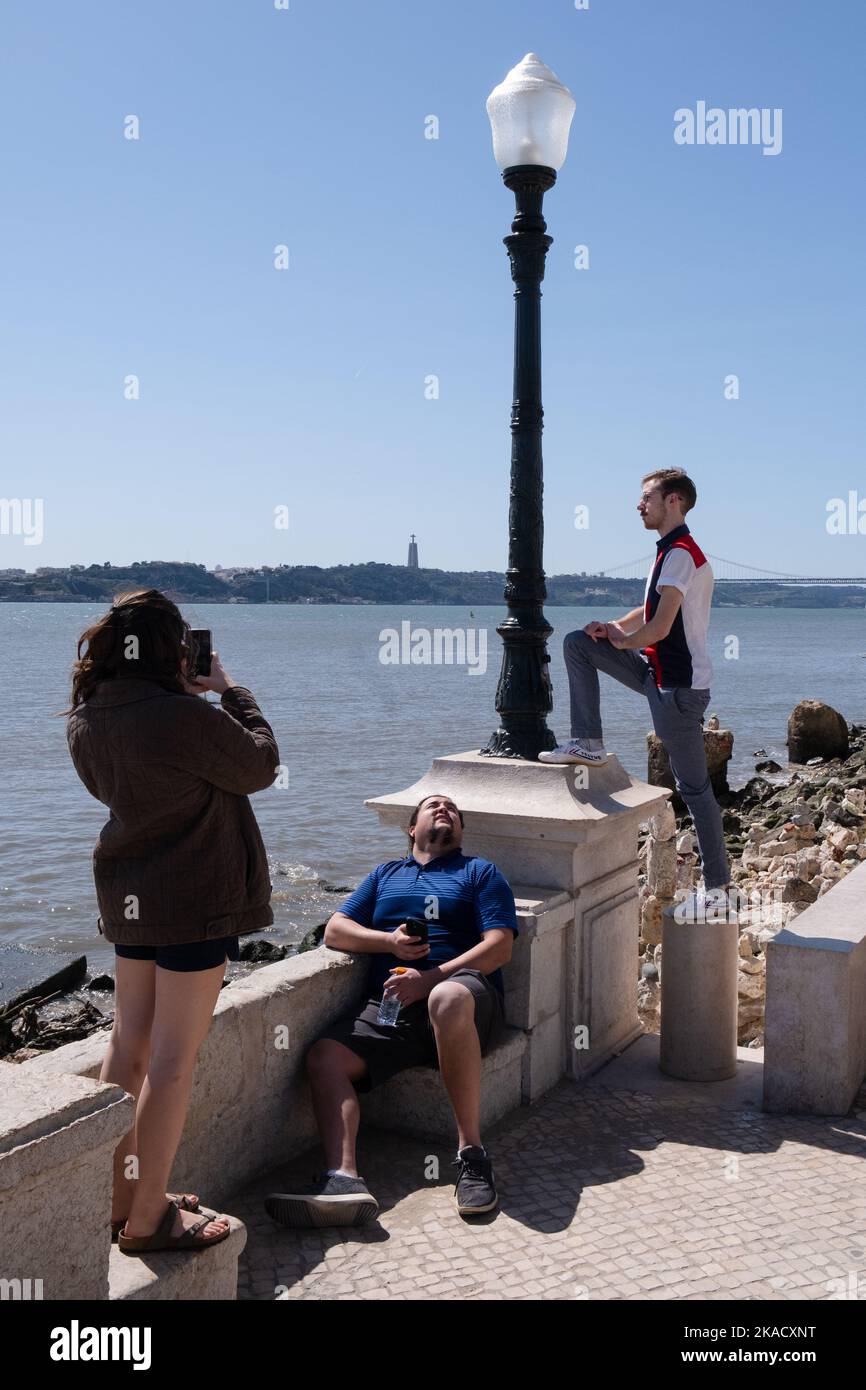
point(575, 752)
point(329, 1201)
point(474, 1192)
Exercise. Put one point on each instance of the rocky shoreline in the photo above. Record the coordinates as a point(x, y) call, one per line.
point(789, 840)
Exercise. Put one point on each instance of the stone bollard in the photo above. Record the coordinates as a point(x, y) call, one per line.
point(699, 996)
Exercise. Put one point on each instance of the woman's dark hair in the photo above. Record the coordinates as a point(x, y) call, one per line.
point(142, 634)
point(414, 816)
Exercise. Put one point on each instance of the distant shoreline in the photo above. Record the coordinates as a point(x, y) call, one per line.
point(373, 583)
point(180, 599)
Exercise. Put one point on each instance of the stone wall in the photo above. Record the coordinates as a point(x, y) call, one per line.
point(249, 1108)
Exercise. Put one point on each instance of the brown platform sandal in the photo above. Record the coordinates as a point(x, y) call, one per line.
point(182, 1199)
point(161, 1240)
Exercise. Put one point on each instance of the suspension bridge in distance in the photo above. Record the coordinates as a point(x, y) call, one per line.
point(727, 572)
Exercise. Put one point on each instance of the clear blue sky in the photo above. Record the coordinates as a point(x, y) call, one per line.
point(306, 387)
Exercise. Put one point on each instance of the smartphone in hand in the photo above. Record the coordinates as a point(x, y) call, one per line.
point(416, 926)
point(200, 640)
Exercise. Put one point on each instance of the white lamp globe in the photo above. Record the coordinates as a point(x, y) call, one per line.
point(530, 116)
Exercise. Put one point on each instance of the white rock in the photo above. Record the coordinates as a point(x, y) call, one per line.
point(754, 938)
point(749, 1011)
point(648, 1000)
point(651, 921)
point(754, 966)
point(758, 863)
point(774, 849)
point(750, 986)
point(842, 837)
point(662, 868)
point(757, 832)
point(663, 824)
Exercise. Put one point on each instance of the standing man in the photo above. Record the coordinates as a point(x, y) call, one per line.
point(661, 652)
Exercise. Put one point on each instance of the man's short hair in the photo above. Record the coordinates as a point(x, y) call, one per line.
point(674, 480)
point(431, 796)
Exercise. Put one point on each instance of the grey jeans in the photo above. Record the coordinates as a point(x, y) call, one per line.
point(678, 717)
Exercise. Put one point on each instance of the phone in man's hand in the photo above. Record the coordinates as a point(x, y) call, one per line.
point(416, 926)
point(201, 650)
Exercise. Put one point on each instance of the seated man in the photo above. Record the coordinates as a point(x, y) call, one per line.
point(451, 1009)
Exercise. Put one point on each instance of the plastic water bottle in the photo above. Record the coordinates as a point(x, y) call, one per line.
point(389, 1008)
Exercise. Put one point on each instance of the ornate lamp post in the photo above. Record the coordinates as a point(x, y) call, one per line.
point(527, 819)
point(530, 115)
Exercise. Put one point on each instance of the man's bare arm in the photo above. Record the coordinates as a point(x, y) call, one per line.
point(342, 934)
point(660, 624)
point(487, 956)
point(631, 621)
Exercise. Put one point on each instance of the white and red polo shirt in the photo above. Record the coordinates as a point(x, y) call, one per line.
point(681, 658)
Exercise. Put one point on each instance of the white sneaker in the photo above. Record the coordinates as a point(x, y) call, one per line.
point(706, 905)
point(575, 752)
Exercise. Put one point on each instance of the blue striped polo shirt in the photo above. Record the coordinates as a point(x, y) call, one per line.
point(460, 896)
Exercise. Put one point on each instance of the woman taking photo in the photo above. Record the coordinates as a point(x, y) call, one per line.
point(180, 872)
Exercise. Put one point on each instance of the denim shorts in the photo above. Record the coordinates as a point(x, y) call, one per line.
point(191, 955)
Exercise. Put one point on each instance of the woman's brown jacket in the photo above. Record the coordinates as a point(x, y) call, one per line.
point(181, 857)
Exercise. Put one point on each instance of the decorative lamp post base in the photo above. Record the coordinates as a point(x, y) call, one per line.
point(522, 739)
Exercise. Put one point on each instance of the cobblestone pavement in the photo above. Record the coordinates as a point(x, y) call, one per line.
point(604, 1194)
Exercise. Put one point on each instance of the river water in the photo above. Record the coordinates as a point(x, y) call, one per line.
point(350, 726)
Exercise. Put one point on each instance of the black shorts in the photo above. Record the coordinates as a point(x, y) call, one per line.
point(192, 955)
point(411, 1042)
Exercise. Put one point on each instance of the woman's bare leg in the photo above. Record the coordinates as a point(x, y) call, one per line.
point(125, 1062)
point(183, 1009)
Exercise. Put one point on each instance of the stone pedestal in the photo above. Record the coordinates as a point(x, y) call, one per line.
point(57, 1140)
point(699, 998)
point(572, 981)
